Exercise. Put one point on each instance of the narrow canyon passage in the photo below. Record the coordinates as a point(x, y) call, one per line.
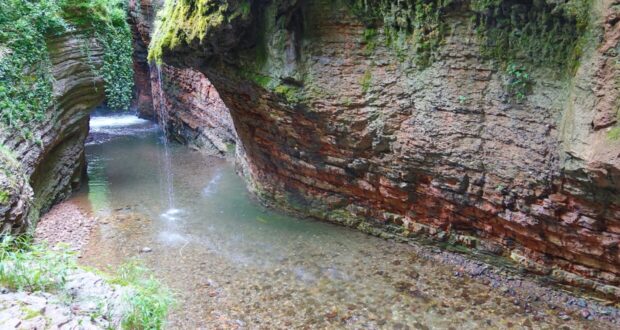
point(309, 164)
point(235, 264)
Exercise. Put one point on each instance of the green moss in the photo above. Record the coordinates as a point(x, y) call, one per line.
point(184, 21)
point(614, 134)
point(366, 81)
point(8, 153)
point(550, 33)
point(243, 11)
point(541, 33)
point(408, 24)
point(263, 81)
point(369, 38)
point(4, 197)
point(290, 93)
point(30, 313)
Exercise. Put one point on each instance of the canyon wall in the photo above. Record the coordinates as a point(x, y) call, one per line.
point(39, 171)
point(196, 115)
point(339, 124)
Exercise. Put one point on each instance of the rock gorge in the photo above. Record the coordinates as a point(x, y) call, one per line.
point(362, 117)
point(393, 117)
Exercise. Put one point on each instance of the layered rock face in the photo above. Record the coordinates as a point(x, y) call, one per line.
point(195, 114)
point(343, 129)
point(39, 173)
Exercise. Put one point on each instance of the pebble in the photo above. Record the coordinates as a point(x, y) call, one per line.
point(41, 310)
point(585, 313)
point(146, 249)
point(65, 222)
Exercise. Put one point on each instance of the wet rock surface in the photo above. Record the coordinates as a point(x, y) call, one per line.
point(333, 128)
point(91, 304)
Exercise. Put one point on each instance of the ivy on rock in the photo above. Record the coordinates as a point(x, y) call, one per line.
point(25, 67)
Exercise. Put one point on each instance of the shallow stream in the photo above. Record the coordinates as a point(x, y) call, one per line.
point(234, 264)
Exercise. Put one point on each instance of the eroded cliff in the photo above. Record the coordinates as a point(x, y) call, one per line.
point(39, 172)
point(58, 60)
point(404, 125)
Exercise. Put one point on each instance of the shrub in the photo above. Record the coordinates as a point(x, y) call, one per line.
point(519, 82)
point(150, 301)
point(33, 267)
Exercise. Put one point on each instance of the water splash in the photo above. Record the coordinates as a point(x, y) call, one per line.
point(163, 119)
point(97, 123)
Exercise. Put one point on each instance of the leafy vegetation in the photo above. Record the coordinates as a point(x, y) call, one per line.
point(34, 267)
point(25, 77)
point(25, 67)
point(108, 21)
point(519, 81)
point(150, 301)
point(31, 267)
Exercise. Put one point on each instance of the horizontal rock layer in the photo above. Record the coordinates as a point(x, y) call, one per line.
point(339, 130)
point(44, 172)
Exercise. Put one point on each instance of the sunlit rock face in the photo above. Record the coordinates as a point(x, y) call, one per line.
point(335, 130)
point(196, 114)
point(40, 173)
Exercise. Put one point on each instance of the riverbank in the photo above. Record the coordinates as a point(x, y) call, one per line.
point(42, 285)
point(544, 303)
point(65, 223)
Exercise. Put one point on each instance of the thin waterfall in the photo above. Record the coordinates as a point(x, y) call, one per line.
point(163, 118)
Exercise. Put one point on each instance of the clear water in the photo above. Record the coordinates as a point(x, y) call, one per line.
point(235, 264)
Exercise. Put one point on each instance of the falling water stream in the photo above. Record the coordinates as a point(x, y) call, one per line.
point(163, 118)
point(234, 264)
